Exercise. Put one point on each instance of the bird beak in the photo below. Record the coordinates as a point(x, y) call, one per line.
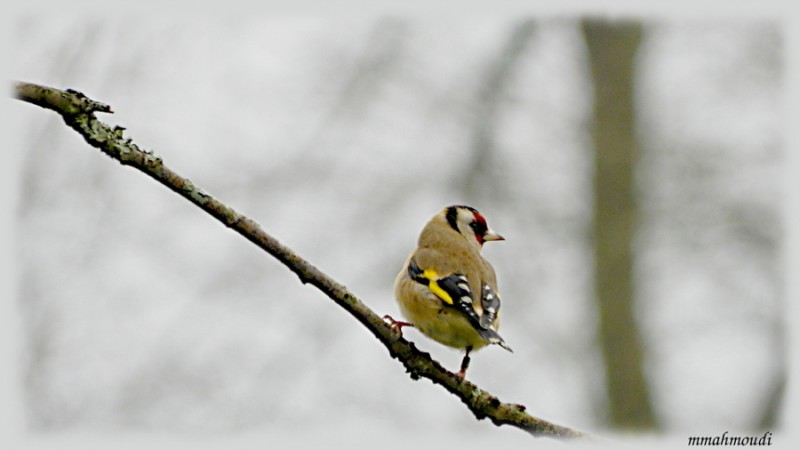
point(492, 236)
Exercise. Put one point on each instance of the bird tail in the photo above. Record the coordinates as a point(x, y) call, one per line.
point(493, 337)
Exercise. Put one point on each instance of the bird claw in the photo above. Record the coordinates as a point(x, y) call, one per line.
point(396, 324)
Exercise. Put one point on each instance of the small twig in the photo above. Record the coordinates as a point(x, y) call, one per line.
point(67, 102)
point(78, 112)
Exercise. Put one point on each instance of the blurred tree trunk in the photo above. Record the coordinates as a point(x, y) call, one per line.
point(612, 49)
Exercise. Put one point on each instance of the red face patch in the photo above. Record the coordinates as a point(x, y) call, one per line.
point(479, 227)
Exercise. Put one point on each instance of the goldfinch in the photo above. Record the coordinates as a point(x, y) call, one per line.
point(446, 289)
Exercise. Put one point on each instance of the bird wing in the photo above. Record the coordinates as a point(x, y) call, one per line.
point(453, 288)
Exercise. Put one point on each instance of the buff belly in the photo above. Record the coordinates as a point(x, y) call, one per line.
point(438, 321)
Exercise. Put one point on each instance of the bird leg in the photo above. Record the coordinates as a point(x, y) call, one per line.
point(464, 364)
point(396, 324)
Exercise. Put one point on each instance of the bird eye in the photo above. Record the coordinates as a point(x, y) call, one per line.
point(478, 227)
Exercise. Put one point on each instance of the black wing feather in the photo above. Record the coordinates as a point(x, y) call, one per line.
point(456, 286)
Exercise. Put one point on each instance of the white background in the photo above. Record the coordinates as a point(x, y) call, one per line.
point(134, 318)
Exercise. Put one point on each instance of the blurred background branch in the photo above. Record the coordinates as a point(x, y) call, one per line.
point(481, 163)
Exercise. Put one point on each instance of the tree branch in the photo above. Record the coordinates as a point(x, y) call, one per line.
point(78, 111)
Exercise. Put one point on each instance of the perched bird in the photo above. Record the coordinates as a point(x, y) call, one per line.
point(446, 289)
